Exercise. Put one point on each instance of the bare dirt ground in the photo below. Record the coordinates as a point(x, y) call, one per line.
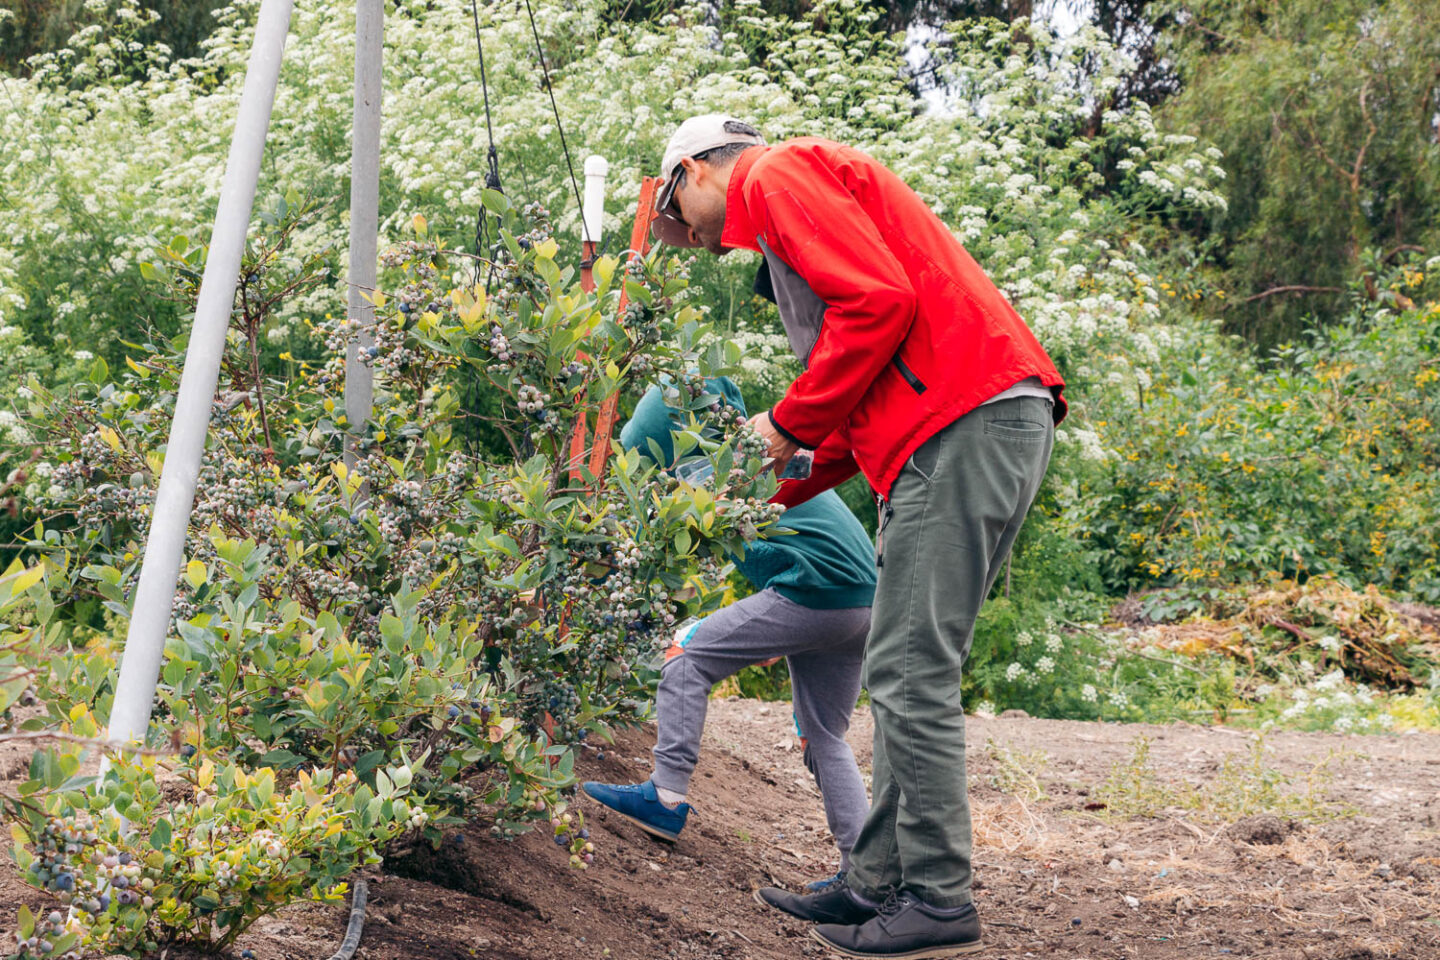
point(1054, 879)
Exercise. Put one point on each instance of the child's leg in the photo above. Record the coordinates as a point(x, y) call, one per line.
point(825, 683)
point(759, 627)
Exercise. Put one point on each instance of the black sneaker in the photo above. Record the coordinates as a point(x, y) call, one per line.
point(832, 903)
point(905, 928)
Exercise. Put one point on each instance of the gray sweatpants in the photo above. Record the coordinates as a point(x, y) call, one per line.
point(825, 650)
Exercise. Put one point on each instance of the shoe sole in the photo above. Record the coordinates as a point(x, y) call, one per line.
point(922, 954)
point(655, 832)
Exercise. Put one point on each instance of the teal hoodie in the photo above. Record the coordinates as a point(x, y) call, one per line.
point(827, 563)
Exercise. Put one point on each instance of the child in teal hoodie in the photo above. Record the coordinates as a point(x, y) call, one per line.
point(813, 591)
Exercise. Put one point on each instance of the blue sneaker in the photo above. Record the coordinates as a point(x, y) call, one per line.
point(825, 884)
point(639, 804)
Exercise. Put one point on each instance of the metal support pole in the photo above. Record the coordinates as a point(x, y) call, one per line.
point(364, 212)
point(170, 519)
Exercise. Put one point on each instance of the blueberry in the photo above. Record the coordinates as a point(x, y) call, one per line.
point(247, 955)
point(125, 859)
point(65, 882)
point(187, 751)
point(120, 883)
point(404, 308)
point(1076, 922)
point(474, 704)
point(584, 834)
point(104, 902)
point(454, 711)
point(373, 351)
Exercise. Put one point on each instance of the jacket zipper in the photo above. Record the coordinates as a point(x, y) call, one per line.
point(915, 382)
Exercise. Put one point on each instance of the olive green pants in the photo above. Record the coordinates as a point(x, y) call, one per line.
point(952, 517)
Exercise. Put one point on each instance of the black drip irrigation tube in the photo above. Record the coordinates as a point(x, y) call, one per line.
point(356, 925)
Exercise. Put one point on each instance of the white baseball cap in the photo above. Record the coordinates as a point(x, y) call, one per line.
point(695, 136)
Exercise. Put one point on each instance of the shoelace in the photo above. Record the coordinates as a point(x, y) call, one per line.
point(894, 903)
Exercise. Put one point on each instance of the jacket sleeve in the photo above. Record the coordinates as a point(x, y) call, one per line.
point(813, 222)
point(834, 464)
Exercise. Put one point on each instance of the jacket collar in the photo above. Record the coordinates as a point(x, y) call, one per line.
point(739, 232)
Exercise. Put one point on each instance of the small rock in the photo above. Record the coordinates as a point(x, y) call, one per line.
point(1014, 713)
point(1116, 866)
point(1132, 902)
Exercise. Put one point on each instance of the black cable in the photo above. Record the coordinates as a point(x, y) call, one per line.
point(357, 923)
point(492, 161)
point(539, 50)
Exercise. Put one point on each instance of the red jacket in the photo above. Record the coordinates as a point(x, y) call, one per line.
point(899, 329)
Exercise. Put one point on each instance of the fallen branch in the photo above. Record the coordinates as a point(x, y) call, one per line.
point(1288, 288)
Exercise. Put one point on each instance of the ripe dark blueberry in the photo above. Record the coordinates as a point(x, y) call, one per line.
point(187, 751)
point(125, 859)
point(373, 351)
point(560, 840)
point(454, 711)
point(65, 882)
point(404, 308)
point(247, 955)
point(104, 902)
point(474, 704)
point(584, 834)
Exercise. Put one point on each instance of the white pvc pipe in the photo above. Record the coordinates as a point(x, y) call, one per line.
point(165, 545)
point(593, 211)
point(364, 211)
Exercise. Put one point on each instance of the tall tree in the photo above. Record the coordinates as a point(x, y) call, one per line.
point(1328, 112)
point(38, 26)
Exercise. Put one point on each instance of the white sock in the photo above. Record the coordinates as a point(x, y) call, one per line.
point(670, 798)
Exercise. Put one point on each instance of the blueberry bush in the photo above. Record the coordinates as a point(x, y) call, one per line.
point(464, 592)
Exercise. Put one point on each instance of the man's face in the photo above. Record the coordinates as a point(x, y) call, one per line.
point(699, 202)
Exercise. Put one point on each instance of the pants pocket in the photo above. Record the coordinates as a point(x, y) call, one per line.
point(927, 457)
point(1029, 431)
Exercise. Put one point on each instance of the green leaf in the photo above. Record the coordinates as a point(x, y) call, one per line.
point(99, 371)
point(160, 834)
point(495, 201)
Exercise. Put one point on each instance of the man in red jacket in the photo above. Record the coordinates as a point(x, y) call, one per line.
point(919, 374)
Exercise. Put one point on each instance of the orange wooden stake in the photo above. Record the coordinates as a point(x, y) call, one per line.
point(605, 425)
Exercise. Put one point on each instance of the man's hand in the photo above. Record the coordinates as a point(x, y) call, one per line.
point(781, 449)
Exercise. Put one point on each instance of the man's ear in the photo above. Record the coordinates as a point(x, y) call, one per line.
point(695, 172)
